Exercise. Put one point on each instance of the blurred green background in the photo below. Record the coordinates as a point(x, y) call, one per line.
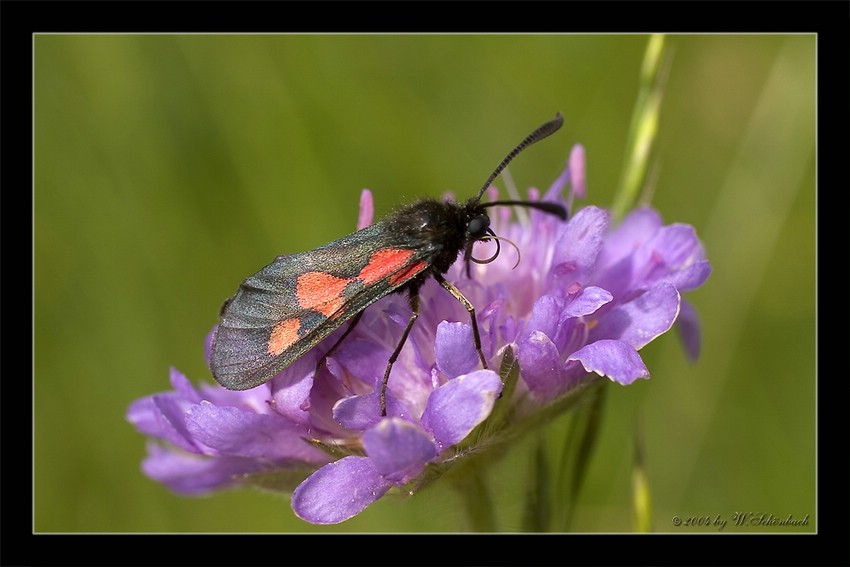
point(169, 167)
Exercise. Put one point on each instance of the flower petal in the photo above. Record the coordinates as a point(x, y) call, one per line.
point(689, 330)
point(194, 474)
point(540, 364)
point(639, 321)
point(338, 491)
point(691, 277)
point(557, 186)
point(358, 413)
point(367, 209)
point(362, 359)
point(162, 415)
point(677, 244)
point(183, 386)
point(545, 315)
point(674, 254)
point(455, 349)
point(399, 450)
point(142, 414)
point(617, 360)
point(578, 171)
point(588, 301)
point(636, 228)
point(578, 245)
point(236, 432)
point(170, 414)
point(290, 390)
point(456, 407)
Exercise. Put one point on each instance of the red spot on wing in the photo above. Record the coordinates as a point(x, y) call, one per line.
point(408, 273)
point(324, 293)
point(283, 335)
point(384, 263)
point(321, 292)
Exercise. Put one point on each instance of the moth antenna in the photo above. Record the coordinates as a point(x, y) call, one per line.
point(545, 206)
point(541, 132)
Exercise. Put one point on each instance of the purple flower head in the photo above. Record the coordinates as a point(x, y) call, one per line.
point(578, 304)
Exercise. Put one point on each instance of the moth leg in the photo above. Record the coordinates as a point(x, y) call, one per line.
point(476, 337)
point(350, 328)
point(413, 298)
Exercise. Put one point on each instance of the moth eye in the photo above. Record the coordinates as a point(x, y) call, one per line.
point(477, 226)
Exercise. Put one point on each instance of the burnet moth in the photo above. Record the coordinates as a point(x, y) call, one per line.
point(294, 303)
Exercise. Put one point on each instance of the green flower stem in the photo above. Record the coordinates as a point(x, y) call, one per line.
point(579, 445)
point(537, 512)
point(643, 128)
point(475, 496)
point(641, 501)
